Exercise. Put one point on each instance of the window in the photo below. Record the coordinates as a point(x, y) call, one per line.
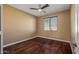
point(50, 23)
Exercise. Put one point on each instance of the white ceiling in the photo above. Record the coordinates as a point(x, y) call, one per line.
point(53, 8)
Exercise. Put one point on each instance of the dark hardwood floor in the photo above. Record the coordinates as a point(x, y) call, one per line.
point(39, 46)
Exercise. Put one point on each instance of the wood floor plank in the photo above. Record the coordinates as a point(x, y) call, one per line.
point(39, 45)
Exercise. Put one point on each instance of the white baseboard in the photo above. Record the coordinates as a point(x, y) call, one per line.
point(54, 39)
point(32, 38)
point(18, 42)
point(59, 40)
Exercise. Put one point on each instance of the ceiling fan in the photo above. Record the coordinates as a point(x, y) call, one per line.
point(40, 9)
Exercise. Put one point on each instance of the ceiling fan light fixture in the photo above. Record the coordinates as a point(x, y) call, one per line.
point(39, 10)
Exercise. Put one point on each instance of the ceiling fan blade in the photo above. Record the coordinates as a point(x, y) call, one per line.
point(44, 6)
point(34, 8)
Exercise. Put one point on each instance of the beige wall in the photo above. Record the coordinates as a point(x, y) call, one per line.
point(73, 9)
point(17, 25)
point(63, 31)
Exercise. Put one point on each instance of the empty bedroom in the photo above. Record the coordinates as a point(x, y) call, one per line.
point(38, 29)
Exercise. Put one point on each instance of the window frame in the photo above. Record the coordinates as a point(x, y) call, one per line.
point(50, 24)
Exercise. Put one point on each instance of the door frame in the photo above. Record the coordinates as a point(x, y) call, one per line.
point(76, 48)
